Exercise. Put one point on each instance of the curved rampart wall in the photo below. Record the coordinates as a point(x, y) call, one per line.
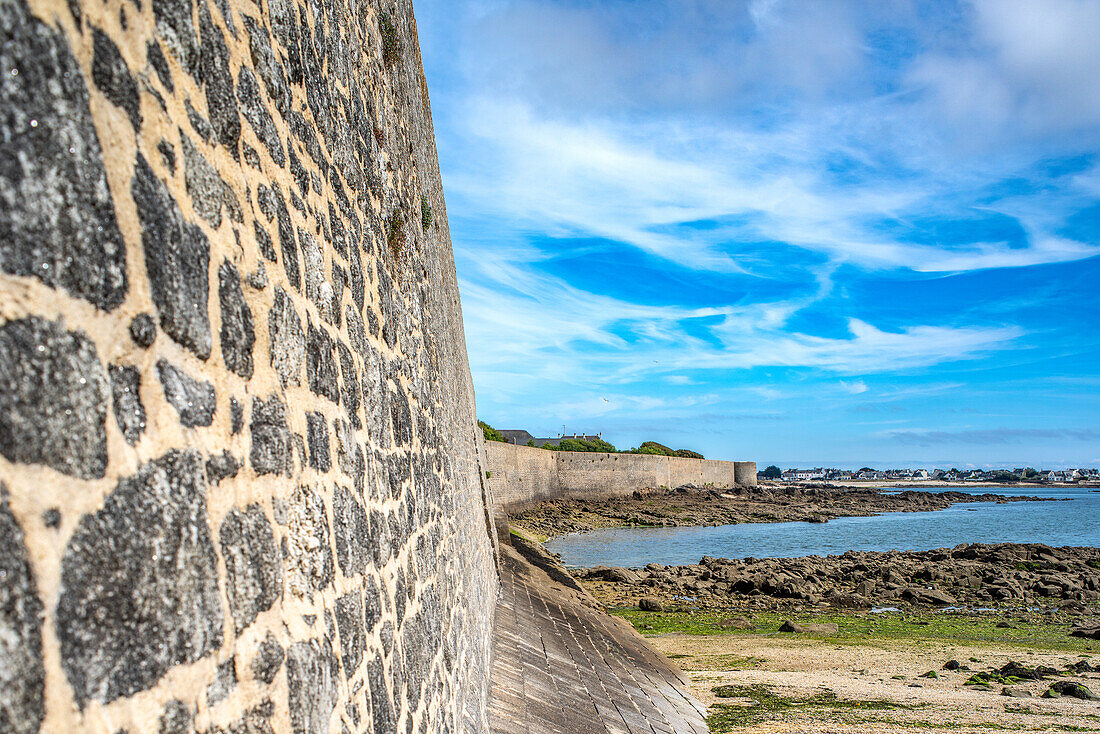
point(240, 484)
point(521, 475)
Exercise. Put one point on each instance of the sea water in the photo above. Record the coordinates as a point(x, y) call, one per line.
point(1072, 522)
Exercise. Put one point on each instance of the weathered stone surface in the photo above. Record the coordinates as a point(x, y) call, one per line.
point(217, 81)
point(381, 702)
point(194, 400)
point(236, 416)
point(139, 583)
point(288, 344)
point(225, 680)
point(252, 569)
point(177, 258)
point(308, 557)
point(320, 454)
point(267, 66)
point(321, 364)
point(176, 28)
point(263, 242)
point(256, 720)
point(57, 219)
point(311, 671)
point(156, 59)
point(270, 452)
point(22, 676)
point(126, 398)
point(177, 718)
point(221, 466)
point(269, 658)
point(199, 124)
point(237, 335)
point(352, 532)
point(53, 398)
point(349, 621)
point(113, 77)
point(208, 192)
point(252, 105)
point(143, 330)
point(350, 374)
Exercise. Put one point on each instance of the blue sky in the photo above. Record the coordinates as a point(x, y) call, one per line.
point(837, 233)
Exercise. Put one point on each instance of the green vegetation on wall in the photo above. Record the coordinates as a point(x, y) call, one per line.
point(658, 449)
point(490, 433)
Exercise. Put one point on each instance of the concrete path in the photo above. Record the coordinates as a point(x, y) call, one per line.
point(561, 666)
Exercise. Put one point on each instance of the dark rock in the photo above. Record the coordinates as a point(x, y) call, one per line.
point(143, 330)
point(382, 708)
point(352, 532)
point(821, 628)
point(221, 466)
point(1073, 689)
point(22, 676)
point(113, 78)
point(270, 452)
point(649, 604)
point(349, 621)
point(256, 720)
point(217, 80)
point(177, 257)
point(288, 344)
point(311, 672)
point(287, 243)
point(252, 568)
point(57, 217)
point(255, 111)
point(51, 518)
point(952, 665)
point(320, 455)
point(208, 192)
point(267, 66)
point(263, 242)
point(1089, 632)
point(1015, 692)
point(177, 718)
point(269, 658)
point(177, 29)
point(160, 65)
point(167, 154)
point(199, 124)
point(139, 583)
point(126, 399)
point(236, 412)
point(237, 335)
point(934, 597)
point(53, 398)
point(400, 416)
point(351, 392)
point(225, 680)
point(194, 400)
point(321, 364)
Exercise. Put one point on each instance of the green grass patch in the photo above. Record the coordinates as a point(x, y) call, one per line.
point(854, 628)
point(762, 703)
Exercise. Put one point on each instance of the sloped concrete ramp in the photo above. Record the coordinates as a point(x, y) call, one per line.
point(562, 666)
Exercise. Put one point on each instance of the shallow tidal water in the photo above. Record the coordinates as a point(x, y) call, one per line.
point(1075, 522)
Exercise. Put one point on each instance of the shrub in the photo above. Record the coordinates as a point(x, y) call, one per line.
point(490, 433)
point(391, 45)
point(425, 213)
point(395, 233)
point(772, 472)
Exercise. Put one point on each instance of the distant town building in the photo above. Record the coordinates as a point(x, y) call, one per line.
point(523, 438)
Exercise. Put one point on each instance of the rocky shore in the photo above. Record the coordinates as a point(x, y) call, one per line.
point(690, 505)
point(969, 575)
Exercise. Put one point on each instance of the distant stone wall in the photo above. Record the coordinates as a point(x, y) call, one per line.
point(241, 485)
point(522, 475)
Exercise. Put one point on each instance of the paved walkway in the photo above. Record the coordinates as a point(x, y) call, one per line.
point(562, 667)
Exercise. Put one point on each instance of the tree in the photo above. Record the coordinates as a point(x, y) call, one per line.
point(772, 472)
point(490, 433)
point(865, 468)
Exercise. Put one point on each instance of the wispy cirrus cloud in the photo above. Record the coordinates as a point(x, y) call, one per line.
point(994, 436)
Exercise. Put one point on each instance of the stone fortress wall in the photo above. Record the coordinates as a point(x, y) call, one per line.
point(520, 476)
point(240, 478)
